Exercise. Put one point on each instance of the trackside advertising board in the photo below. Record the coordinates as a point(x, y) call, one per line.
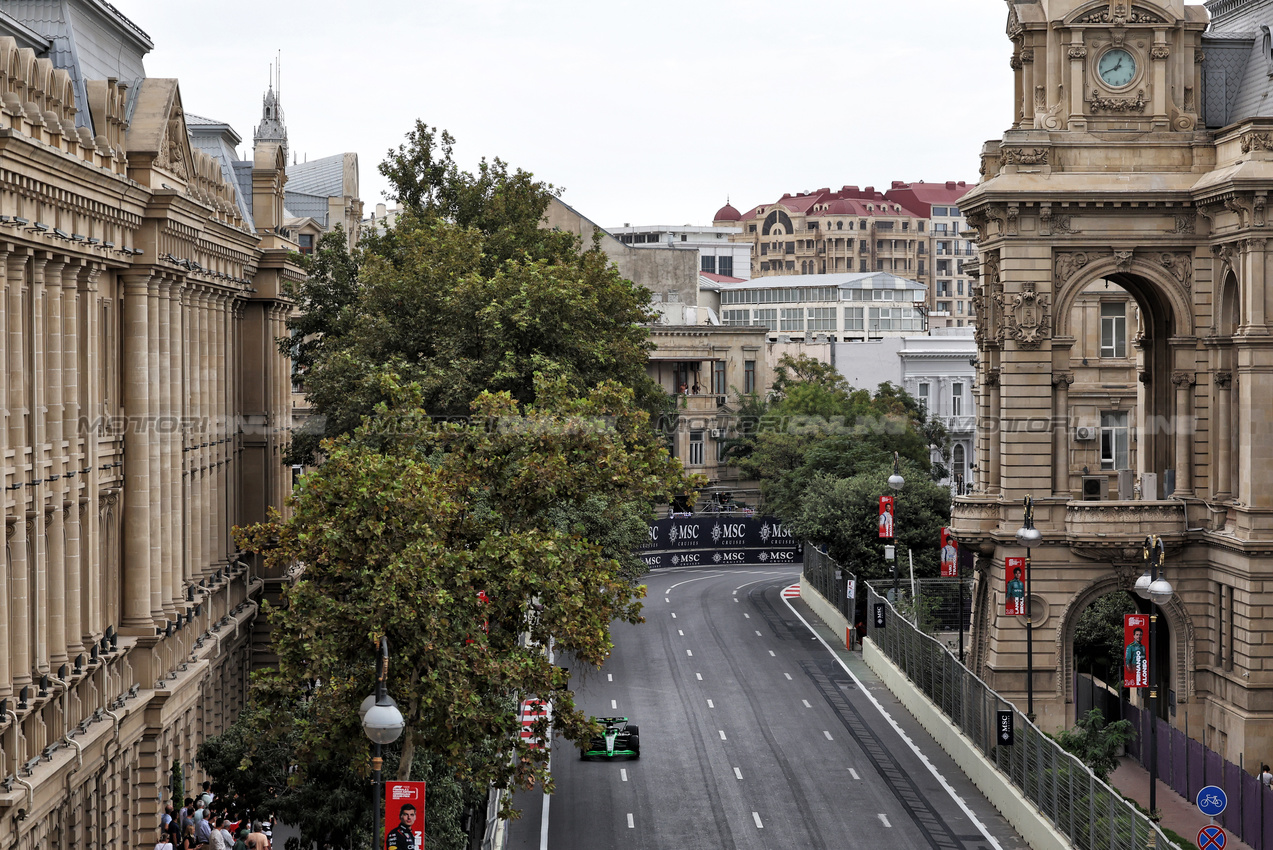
point(710, 541)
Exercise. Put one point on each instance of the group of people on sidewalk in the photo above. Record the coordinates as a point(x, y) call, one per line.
point(209, 823)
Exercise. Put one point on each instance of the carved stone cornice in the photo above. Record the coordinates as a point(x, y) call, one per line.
point(1026, 317)
point(1159, 51)
point(1119, 15)
point(992, 378)
point(1069, 264)
point(1253, 141)
point(1123, 260)
point(1180, 266)
point(1223, 380)
point(1182, 378)
point(1079, 52)
point(1060, 379)
point(1100, 103)
point(1186, 224)
point(1022, 156)
point(1015, 63)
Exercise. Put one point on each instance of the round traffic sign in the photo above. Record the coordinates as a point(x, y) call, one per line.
point(1212, 837)
point(1211, 801)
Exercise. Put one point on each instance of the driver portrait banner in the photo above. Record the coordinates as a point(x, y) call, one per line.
point(404, 816)
point(949, 554)
point(1135, 651)
point(886, 517)
point(1014, 597)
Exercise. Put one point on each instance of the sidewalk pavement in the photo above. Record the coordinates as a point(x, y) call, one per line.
point(1178, 814)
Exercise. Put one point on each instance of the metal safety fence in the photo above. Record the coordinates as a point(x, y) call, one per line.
point(1088, 812)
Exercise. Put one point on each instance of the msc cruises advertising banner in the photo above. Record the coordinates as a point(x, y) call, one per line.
point(707, 540)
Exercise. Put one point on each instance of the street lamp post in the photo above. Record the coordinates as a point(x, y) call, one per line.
point(1027, 536)
point(896, 481)
point(383, 723)
point(1158, 591)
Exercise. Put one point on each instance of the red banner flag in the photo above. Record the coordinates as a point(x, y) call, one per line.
point(1014, 599)
point(886, 517)
point(949, 554)
point(404, 816)
point(1135, 651)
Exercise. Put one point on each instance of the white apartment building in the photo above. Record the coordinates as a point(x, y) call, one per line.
point(716, 253)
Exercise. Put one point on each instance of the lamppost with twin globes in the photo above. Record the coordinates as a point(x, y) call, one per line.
point(1027, 536)
point(1158, 591)
point(383, 723)
point(896, 481)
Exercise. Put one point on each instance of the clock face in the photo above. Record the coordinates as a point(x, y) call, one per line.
point(1117, 68)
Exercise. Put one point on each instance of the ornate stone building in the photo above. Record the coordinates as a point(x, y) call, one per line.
point(1141, 154)
point(143, 414)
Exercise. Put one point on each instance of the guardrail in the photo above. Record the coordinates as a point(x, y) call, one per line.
point(1088, 812)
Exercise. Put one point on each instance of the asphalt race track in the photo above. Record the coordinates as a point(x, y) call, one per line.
point(753, 735)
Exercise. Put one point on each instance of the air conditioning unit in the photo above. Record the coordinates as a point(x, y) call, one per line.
point(1084, 433)
point(718, 433)
point(1095, 488)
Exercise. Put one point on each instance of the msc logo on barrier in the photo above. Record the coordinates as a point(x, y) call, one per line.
point(682, 532)
point(687, 558)
point(730, 557)
point(729, 532)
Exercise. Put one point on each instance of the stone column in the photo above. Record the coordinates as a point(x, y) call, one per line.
point(206, 329)
point(19, 600)
point(1077, 54)
point(6, 675)
point(1223, 436)
point(37, 399)
point(1184, 428)
point(176, 504)
point(136, 509)
point(91, 393)
point(163, 435)
point(155, 490)
point(1061, 433)
point(995, 420)
point(1158, 55)
point(51, 517)
point(18, 405)
point(194, 402)
point(71, 431)
point(1027, 87)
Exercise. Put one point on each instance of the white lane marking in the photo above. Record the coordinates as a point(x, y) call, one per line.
point(735, 598)
point(631, 823)
point(806, 703)
point(756, 817)
point(746, 616)
point(772, 654)
point(828, 734)
point(690, 653)
point(673, 615)
point(788, 675)
point(884, 818)
point(543, 814)
point(688, 580)
point(758, 634)
point(854, 774)
point(722, 735)
point(614, 704)
point(681, 632)
point(759, 580)
point(609, 677)
point(901, 734)
point(738, 773)
point(698, 676)
point(623, 774)
point(666, 599)
point(710, 705)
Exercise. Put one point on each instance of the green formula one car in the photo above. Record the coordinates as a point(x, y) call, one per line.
point(618, 738)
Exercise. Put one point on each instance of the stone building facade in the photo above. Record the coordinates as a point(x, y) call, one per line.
point(143, 414)
point(1141, 153)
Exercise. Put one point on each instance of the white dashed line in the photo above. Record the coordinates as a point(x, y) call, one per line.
point(623, 774)
point(854, 774)
point(710, 705)
point(673, 615)
point(698, 676)
point(788, 675)
point(828, 734)
point(738, 773)
point(609, 677)
point(614, 704)
point(773, 654)
point(631, 823)
point(735, 598)
point(756, 817)
point(681, 632)
point(806, 703)
point(666, 599)
point(690, 653)
point(746, 616)
point(884, 820)
point(722, 735)
point(758, 634)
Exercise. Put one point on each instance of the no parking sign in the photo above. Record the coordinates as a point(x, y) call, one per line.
point(1212, 837)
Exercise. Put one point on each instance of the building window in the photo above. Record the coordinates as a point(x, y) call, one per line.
point(718, 377)
point(765, 318)
point(957, 398)
point(957, 461)
point(764, 248)
point(696, 448)
point(749, 376)
point(306, 241)
point(923, 396)
point(853, 319)
point(789, 248)
point(1114, 330)
point(821, 318)
point(751, 228)
point(707, 264)
point(792, 319)
point(735, 317)
point(1114, 440)
point(725, 266)
point(791, 265)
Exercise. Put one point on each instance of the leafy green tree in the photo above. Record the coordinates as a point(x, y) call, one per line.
point(407, 519)
point(1096, 743)
point(1098, 636)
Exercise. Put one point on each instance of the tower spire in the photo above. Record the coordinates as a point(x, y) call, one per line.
point(272, 127)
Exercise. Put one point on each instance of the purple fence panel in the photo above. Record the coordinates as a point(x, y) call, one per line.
point(1250, 807)
point(1179, 773)
point(1231, 818)
point(1164, 750)
point(1213, 767)
point(1266, 805)
point(1196, 756)
point(1134, 749)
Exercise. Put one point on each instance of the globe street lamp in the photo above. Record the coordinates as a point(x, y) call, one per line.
point(383, 723)
point(1157, 590)
point(1027, 536)
point(896, 481)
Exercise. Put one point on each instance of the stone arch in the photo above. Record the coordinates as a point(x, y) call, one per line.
point(1179, 623)
point(1228, 306)
point(1158, 292)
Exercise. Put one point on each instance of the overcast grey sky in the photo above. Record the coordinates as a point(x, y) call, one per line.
point(650, 112)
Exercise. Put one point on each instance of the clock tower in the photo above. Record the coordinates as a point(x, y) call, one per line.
point(1125, 366)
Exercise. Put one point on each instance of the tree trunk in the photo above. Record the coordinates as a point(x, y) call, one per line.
point(408, 755)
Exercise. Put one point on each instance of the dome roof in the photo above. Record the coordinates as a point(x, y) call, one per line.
point(728, 213)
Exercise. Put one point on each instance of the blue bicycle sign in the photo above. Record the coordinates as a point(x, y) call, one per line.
point(1211, 801)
